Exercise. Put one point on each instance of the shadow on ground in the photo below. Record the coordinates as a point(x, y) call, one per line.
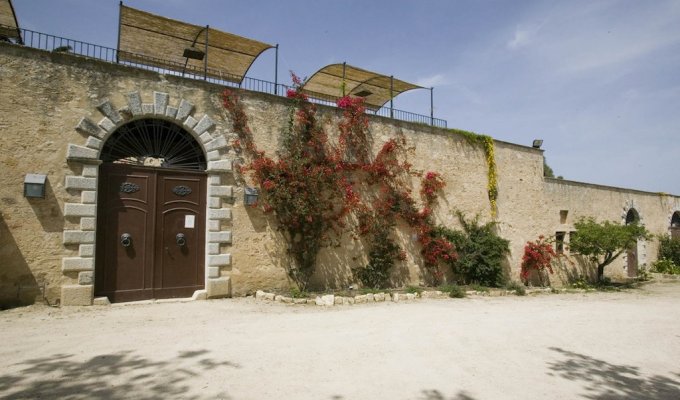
point(430, 395)
point(606, 381)
point(122, 375)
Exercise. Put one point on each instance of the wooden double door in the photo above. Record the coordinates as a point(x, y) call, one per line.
point(150, 233)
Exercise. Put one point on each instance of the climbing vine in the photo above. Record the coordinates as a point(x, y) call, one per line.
point(314, 185)
point(487, 144)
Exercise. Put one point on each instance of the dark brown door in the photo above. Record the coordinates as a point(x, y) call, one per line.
point(150, 233)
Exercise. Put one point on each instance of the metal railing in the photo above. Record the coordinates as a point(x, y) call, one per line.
point(54, 43)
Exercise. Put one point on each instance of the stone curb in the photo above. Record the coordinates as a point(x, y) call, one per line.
point(330, 300)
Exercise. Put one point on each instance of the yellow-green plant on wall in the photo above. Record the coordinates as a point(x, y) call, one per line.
point(492, 175)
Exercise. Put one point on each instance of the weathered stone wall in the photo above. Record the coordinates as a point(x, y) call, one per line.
point(46, 95)
point(607, 203)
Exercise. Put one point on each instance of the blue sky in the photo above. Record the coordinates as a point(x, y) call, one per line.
point(598, 81)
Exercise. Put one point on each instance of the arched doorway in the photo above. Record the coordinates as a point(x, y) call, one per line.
point(632, 217)
point(675, 225)
point(151, 220)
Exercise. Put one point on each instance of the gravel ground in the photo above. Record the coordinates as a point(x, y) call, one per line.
point(620, 345)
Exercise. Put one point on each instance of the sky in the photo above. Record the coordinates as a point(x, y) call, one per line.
point(597, 80)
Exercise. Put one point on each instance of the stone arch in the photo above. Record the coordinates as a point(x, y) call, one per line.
point(78, 286)
point(632, 216)
point(675, 225)
point(637, 251)
point(154, 142)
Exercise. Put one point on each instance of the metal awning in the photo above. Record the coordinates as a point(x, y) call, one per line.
point(150, 39)
point(9, 27)
point(376, 89)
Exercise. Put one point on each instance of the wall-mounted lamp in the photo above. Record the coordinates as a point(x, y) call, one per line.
point(250, 196)
point(34, 186)
point(537, 143)
point(194, 53)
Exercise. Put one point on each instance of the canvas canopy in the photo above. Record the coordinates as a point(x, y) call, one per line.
point(9, 27)
point(376, 89)
point(150, 39)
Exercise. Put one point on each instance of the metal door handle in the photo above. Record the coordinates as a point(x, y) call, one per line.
point(126, 239)
point(181, 239)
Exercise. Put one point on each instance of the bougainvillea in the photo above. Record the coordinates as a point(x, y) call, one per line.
point(312, 187)
point(432, 182)
point(537, 257)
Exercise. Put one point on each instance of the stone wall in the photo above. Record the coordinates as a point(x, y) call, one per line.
point(57, 109)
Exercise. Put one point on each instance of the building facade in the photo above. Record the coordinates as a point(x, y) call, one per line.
point(174, 223)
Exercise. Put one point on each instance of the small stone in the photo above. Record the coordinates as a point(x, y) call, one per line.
point(190, 122)
point(90, 128)
point(286, 299)
point(220, 287)
point(135, 103)
point(76, 295)
point(278, 298)
point(160, 102)
point(360, 299)
point(101, 301)
point(219, 166)
point(396, 297)
point(216, 144)
point(76, 152)
point(300, 301)
point(269, 296)
point(85, 278)
point(200, 295)
point(184, 110)
point(312, 301)
point(339, 300)
point(349, 300)
point(107, 109)
point(205, 124)
point(370, 298)
point(410, 296)
point(328, 300)
point(259, 295)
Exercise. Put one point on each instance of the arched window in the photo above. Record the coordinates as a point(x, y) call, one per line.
point(675, 220)
point(675, 225)
point(155, 143)
point(632, 216)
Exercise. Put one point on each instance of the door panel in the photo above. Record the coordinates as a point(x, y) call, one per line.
point(152, 206)
point(128, 197)
point(180, 271)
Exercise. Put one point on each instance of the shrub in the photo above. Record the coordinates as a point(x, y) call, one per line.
point(414, 290)
point(665, 266)
point(298, 294)
point(454, 291)
point(480, 252)
point(669, 249)
point(537, 257)
point(519, 288)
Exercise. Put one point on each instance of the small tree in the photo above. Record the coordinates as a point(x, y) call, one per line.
point(604, 241)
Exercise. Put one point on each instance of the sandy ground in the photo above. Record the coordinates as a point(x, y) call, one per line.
point(623, 345)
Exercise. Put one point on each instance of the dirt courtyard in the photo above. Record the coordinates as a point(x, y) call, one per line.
point(620, 345)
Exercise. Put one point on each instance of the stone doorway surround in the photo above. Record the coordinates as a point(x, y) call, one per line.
point(218, 213)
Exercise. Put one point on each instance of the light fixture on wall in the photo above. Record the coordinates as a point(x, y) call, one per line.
point(194, 53)
point(250, 196)
point(537, 143)
point(34, 186)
